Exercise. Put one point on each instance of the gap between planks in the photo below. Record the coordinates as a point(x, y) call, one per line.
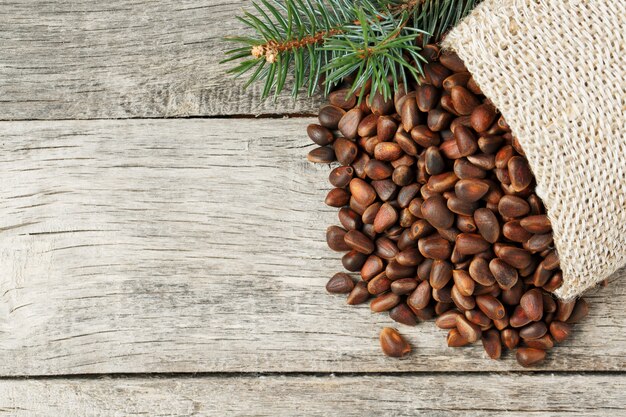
point(301, 374)
point(276, 116)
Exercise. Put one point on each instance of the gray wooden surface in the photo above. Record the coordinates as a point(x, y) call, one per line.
point(80, 59)
point(434, 395)
point(188, 255)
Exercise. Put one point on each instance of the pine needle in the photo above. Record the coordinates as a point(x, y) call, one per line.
point(310, 40)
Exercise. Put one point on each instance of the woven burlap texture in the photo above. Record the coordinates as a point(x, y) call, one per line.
point(557, 71)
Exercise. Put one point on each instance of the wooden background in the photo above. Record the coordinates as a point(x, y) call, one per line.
point(162, 251)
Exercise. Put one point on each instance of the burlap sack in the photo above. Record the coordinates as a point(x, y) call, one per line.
point(556, 69)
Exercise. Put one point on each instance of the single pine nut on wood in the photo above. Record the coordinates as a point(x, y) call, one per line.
point(439, 217)
point(340, 283)
point(393, 344)
point(323, 155)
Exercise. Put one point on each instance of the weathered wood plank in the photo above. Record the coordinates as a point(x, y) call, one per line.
point(438, 395)
point(198, 245)
point(79, 59)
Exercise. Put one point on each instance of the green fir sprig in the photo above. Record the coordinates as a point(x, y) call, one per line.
point(320, 42)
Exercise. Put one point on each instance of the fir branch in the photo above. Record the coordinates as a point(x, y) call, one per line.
point(372, 50)
point(331, 39)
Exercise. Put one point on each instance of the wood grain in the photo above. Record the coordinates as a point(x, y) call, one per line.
point(431, 395)
point(79, 59)
point(198, 245)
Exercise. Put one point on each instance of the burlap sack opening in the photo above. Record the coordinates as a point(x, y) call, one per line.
point(556, 69)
